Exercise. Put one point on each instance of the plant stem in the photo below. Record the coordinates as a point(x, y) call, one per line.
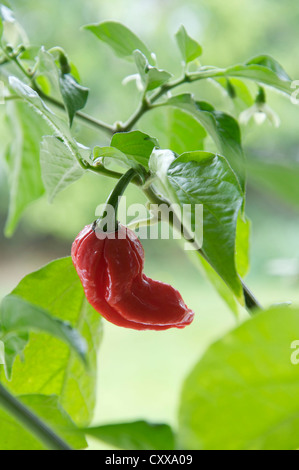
point(146, 105)
point(251, 302)
point(113, 202)
point(143, 108)
point(82, 116)
point(25, 416)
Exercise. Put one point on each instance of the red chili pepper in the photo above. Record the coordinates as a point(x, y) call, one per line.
point(111, 272)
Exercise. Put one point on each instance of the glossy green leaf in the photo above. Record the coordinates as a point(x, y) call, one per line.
point(207, 179)
point(137, 435)
point(73, 94)
point(182, 132)
point(13, 435)
point(223, 129)
point(151, 77)
point(120, 38)
point(243, 245)
point(190, 49)
point(244, 392)
point(59, 168)
point(136, 145)
point(23, 162)
point(50, 365)
point(242, 265)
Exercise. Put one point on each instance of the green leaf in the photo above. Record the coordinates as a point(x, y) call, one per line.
point(184, 132)
point(207, 179)
point(271, 64)
point(59, 168)
point(190, 49)
point(137, 435)
point(244, 392)
point(243, 245)
point(14, 346)
point(73, 94)
point(261, 69)
point(264, 70)
point(47, 74)
point(136, 145)
point(51, 366)
point(237, 90)
point(176, 130)
point(151, 76)
point(2, 353)
point(13, 436)
point(1, 27)
point(223, 129)
point(61, 129)
point(120, 38)
point(18, 315)
point(108, 155)
point(23, 162)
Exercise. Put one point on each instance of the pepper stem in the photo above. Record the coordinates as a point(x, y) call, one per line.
point(112, 203)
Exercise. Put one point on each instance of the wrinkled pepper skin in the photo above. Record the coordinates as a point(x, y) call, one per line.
point(111, 272)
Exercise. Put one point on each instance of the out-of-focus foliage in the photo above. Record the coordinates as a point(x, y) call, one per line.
point(229, 33)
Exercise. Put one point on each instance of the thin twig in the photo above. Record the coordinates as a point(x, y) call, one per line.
point(82, 116)
point(33, 423)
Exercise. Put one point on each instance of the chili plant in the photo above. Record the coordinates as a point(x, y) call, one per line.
point(248, 373)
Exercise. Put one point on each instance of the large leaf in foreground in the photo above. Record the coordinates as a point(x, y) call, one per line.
point(244, 392)
point(18, 316)
point(51, 366)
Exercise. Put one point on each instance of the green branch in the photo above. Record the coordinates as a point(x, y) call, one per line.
point(82, 116)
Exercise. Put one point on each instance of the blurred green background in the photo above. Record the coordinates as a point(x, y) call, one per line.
point(140, 374)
